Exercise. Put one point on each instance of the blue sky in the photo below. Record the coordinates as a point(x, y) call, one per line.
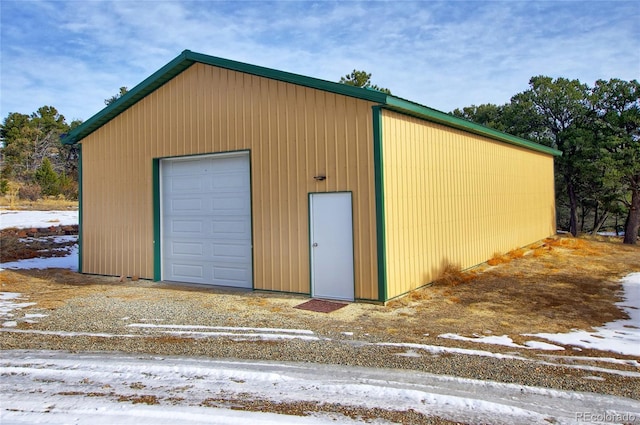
point(74, 54)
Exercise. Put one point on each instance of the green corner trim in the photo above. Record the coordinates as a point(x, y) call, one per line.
point(157, 260)
point(379, 189)
point(80, 245)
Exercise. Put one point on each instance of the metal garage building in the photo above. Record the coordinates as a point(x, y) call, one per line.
point(217, 172)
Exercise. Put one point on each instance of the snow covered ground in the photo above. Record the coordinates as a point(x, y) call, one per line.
point(107, 388)
point(37, 219)
point(103, 389)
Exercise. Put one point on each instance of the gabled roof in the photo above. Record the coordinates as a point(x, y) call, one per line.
point(188, 58)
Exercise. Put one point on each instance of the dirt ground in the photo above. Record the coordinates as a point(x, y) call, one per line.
point(20, 244)
point(556, 285)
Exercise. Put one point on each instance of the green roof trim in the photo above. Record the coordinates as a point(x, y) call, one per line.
point(430, 114)
point(188, 58)
point(140, 91)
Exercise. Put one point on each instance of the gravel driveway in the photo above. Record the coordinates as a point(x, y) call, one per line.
point(156, 318)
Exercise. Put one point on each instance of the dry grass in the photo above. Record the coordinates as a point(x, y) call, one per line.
point(452, 275)
point(552, 286)
point(516, 253)
point(581, 246)
point(49, 204)
point(540, 251)
point(139, 399)
point(498, 258)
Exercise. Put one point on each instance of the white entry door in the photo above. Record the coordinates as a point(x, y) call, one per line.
point(331, 246)
point(206, 220)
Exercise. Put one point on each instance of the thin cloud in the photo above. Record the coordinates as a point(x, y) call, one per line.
point(73, 54)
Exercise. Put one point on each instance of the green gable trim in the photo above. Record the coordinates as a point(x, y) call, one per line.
point(130, 98)
point(379, 192)
point(429, 114)
point(188, 58)
point(288, 77)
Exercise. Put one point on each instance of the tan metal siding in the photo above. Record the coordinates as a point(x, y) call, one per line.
point(454, 197)
point(293, 134)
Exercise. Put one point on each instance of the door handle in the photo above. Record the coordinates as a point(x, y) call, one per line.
point(315, 244)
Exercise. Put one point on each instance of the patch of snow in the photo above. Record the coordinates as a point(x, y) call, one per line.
point(186, 334)
point(545, 346)
point(621, 233)
point(235, 333)
point(621, 336)
point(71, 334)
point(8, 304)
point(180, 387)
point(626, 362)
point(504, 340)
point(65, 238)
point(241, 336)
point(594, 378)
point(35, 316)
point(347, 333)
point(437, 350)
point(10, 324)
point(409, 353)
point(496, 340)
point(9, 295)
point(28, 318)
point(221, 328)
point(38, 219)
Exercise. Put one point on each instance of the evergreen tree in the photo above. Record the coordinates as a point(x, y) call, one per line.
point(47, 178)
point(361, 79)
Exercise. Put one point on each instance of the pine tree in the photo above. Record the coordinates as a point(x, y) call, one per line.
point(47, 178)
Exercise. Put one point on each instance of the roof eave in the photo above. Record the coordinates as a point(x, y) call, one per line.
point(429, 114)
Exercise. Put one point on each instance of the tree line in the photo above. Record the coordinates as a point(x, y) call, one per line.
point(34, 161)
point(597, 128)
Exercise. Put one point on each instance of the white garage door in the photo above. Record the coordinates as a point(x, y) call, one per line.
point(206, 220)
